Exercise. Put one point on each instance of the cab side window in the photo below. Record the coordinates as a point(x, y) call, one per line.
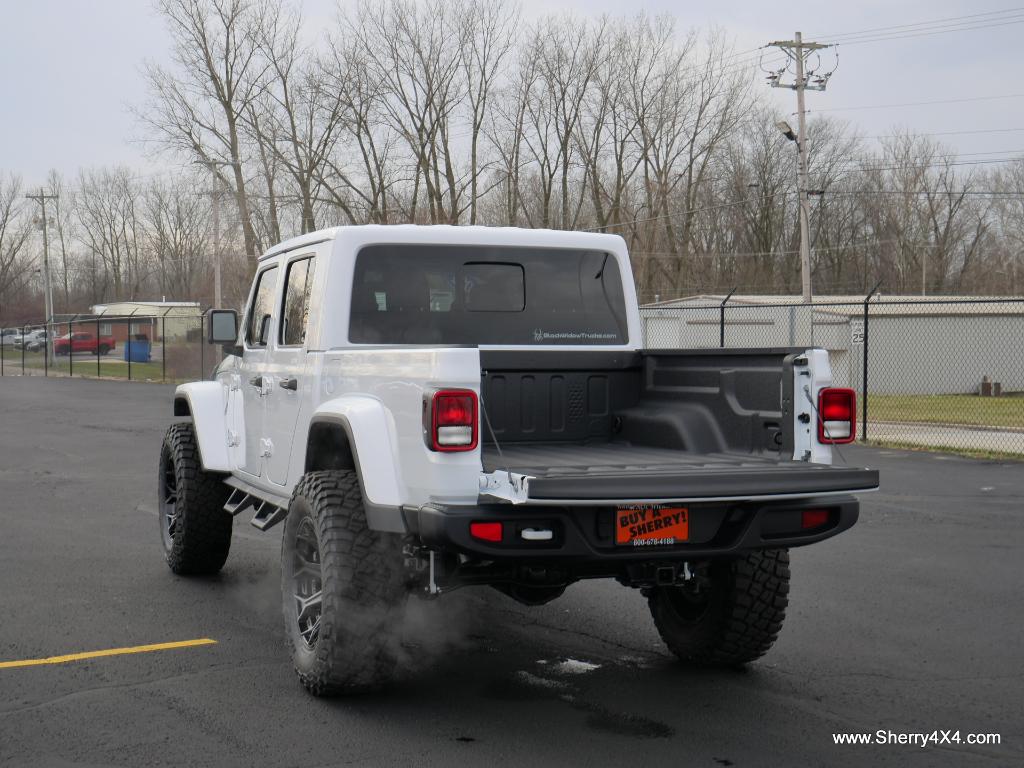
point(295, 311)
point(257, 329)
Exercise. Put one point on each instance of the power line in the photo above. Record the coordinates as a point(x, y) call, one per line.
point(783, 252)
point(932, 165)
point(1016, 155)
point(922, 103)
point(938, 32)
point(702, 208)
point(951, 192)
point(943, 133)
point(924, 23)
point(930, 29)
point(782, 193)
point(968, 154)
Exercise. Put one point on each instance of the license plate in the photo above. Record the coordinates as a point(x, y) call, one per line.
point(651, 525)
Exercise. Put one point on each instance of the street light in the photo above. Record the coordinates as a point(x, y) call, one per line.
point(783, 126)
point(805, 208)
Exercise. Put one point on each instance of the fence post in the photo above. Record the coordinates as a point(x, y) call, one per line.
point(97, 348)
point(864, 395)
point(163, 347)
point(46, 351)
point(128, 352)
point(23, 328)
point(71, 350)
point(202, 347)
point(721, 317)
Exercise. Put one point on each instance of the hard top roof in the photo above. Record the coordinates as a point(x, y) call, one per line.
point(454, 235)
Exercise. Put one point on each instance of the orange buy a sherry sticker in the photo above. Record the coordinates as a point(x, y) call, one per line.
point(640, 523)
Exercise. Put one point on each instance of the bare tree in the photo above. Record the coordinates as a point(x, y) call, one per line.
point(451, 111)
point(302, 115)
point(64, 223)
point(413, 50)
point(486, 43)
point(15, 227)
point(112, 227)
point(177, 221)
point(198, 108)
point(360, 176)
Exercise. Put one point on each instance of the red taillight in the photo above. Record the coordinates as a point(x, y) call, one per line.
point(486, 531)
point(837, 415)
point(453, 420)
point(813, 518)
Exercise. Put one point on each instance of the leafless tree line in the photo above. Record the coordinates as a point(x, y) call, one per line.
point(462, 112)
point(111, 236)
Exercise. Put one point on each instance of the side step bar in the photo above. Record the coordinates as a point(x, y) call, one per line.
point(268, 515)
point(268, 509)
point(237, 502)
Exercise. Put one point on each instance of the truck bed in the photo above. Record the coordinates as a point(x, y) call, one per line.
point(623, 471)
point(666, 424)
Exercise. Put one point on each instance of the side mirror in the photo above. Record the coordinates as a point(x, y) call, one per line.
point(223, 330)
point(222, 325)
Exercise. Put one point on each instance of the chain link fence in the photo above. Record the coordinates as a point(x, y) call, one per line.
point(938, 373)
point(933, 373)
point(163, 347)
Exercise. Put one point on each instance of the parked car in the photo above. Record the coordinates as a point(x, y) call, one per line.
point(17, 337)
point(33, 341)
point(8, 335)
point(429, 408)
point(83, 342)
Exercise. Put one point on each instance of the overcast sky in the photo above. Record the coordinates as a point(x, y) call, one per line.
point(71, 68)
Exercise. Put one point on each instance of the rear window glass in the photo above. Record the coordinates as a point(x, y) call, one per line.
point(426, 294)
point(494, 287)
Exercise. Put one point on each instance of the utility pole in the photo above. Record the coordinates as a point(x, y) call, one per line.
point(797, 52)
point(41, 198)
point(215, 192)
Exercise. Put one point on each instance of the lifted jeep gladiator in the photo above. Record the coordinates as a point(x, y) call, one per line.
point(426, 408)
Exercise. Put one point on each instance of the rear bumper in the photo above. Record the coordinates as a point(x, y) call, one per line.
point(585, 534)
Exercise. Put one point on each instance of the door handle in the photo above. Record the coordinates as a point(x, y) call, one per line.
point(291, 384)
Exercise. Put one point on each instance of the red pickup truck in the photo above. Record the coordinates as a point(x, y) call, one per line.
point(83, 342)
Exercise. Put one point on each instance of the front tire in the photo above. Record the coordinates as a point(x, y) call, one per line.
point(194, 528)
point(732, 618)
point(342, 588)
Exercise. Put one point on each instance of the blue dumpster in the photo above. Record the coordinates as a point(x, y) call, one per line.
point(137, 350)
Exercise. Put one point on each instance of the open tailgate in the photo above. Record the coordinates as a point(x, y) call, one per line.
point(624, 472)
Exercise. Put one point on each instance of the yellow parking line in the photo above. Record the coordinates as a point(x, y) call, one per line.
point(108, 652)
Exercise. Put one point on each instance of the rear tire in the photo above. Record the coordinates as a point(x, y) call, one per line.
point(104, 349)
point(194, 528)
point(736, 617)
point(342, 588)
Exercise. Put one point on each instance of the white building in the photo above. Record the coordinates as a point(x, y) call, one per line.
point(179, 319)
point(916, 344)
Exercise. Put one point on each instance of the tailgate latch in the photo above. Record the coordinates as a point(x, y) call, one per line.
point(505, 486)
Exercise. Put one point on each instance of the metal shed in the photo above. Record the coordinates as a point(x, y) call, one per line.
point(918, 344)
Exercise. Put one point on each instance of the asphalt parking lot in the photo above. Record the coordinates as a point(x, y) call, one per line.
point(910, 622)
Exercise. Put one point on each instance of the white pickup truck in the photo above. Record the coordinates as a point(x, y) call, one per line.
point(426, 408)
